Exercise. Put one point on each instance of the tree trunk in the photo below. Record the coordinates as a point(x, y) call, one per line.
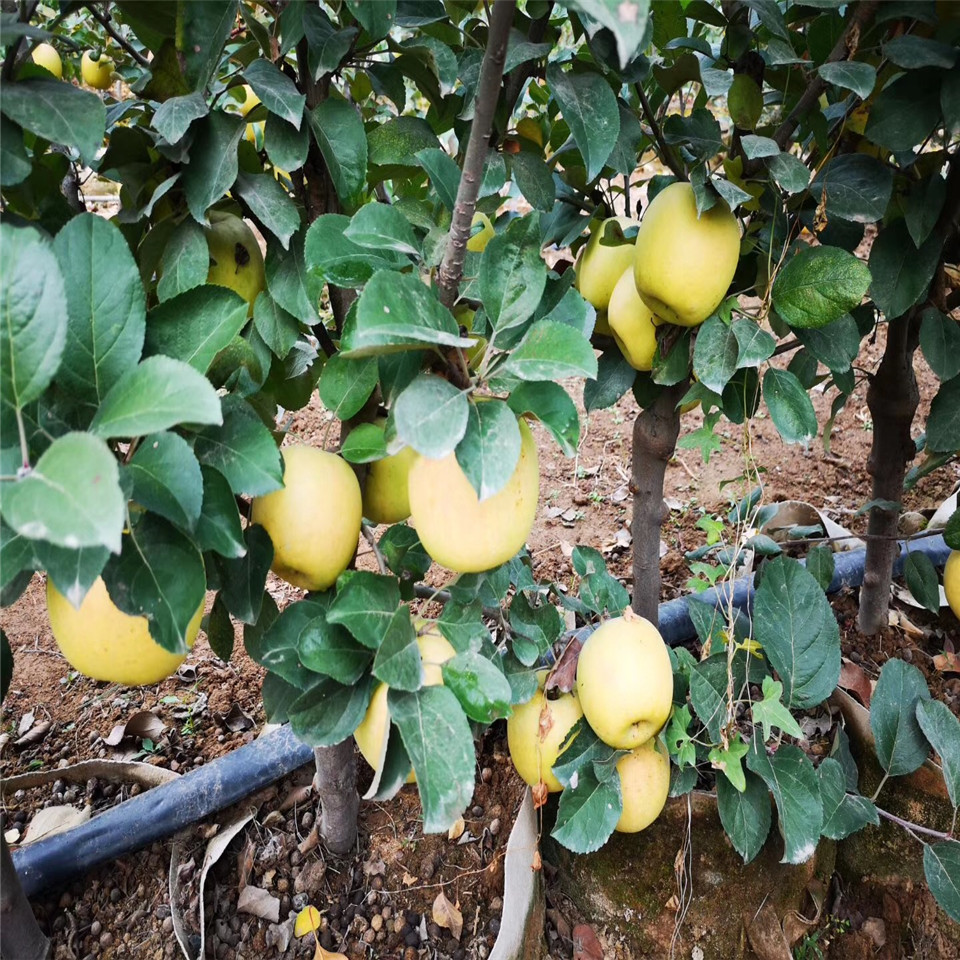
point(20, 935)
point(335, 783)
point(655, 433)
point(892, 397)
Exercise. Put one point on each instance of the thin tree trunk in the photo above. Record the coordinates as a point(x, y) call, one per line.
point(20, 935)
point(655, 433)
point(335, 783)
point(892, 398)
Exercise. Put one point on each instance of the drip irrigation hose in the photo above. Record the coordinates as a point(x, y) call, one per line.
point(163, 810)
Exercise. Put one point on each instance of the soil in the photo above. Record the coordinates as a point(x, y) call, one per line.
point(379, 902)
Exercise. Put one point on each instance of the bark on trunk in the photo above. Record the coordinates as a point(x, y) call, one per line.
point(892, 398)
point(20, 935)
point(335, 783)
point(655, 434)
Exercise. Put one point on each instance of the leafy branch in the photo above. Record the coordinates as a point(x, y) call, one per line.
point(104, 20)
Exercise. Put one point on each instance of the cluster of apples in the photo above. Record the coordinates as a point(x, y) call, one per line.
point(624, 691)
point(96, 73)
point(677, 270)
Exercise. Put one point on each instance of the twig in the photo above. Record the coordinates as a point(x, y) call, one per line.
point(367, 532)
point(488, 89)
point(666, 153)
point(911, 827)
point(8, 64)
point(104, 20)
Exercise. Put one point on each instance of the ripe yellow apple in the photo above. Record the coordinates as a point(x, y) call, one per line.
point(625, 681)
point(250, 100)
point(644, 785)
point(951, 581)
point(475, 354)
point(250, 132)
point(684, 265)
point(45, 55)
point(235, 258)
point(101, 641)
point(460, 532)
point(600, 265)
point(631, 323)
point(96, 73)
point(372, 733)
point(314, 521)
point(478, 241)
point(386, 497)
point(535, 733)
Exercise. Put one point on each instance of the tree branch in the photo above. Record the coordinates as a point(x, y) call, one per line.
point(666, 153)
point(104, 20)
point(26, 12)
point(488, 90)
point(845, 47)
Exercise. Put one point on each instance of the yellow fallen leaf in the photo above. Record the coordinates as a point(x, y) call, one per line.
point(445, 914)
point(456, 831)
point(321, 954)
point(308, 921)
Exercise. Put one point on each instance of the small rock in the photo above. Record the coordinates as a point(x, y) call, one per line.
point(106, 938)
point(95, 928)
point(486, 774)
point(167, 926)
point(116, 894)
point(495, 826)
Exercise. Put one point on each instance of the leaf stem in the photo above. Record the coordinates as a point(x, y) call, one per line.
point(910, 827)
point(24, 449)
point(876, 793)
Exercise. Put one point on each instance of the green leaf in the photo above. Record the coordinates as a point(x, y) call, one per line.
point(329, 712)
point(338, 130)
point(166, 478)
point(397, 142)
point(444, 174)
point(791, 173)
point(327, 45)
point(755, 147)
point(437, 737)
point(836, 345)
point(278, 329)
point(512, 274)
point(379, 226)
point(15, 165)
point(590, 108)
point(202, 30)
point(901, 273)
point(270, 204)
point(59, 112)
point(857, 187)
point(219, 629)
point(158, 575)
point(795, 787)
point(328, 649)
point(431, 416)
point(858, 77)
point(286, 146)
point(795, 625)
point(404, 553)
point(366, 604)
point(588, 812)
point(745, 814)
point(174, 116)
point(614, 378)
point(551, 351)
point(754, 344)
point(820, 565)
point(186, 261)
point(71, 497)
point(819, 285)
point(332, 257)
point(534, 180)
point(941, 727)
point(277, 91)
point(490, 448)
point(770, 712)
point(364, 444)
point(923, 207)
point(397, 661)
point(346, 384)
point(272, 641)
point(906, 111)
point(73, 572)
point(242, 449)
point(715, 354)
point(843, 813)
point(553, 407)
point(244, 578)
point(627, 24)
point(218, 528)
point(213, 162)
point(481, 688)
point(699, 132)
point(941, 867)
point(901, 745)
point(729, 761)
point(289, 283)
point(943, 424)
point(377, 19)
point(912, 52)
point(790, 407)
point(921, 577)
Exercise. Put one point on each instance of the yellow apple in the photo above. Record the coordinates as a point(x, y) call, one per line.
point(631, 323)
point(101, 641)
point(251, 130)
point(535, 733)
point(644, 785)
point(684, 265)
point(314, 521)
point(475, 354)
point(235, 258)
point(601, 264)
point(372, 733)
point(45, 55)
point(478, 241)
point(625, 681)
point(529, 129)
point(951, 581)
point(386, 497)
point(96, 73)
point(460, 532)
point(250, 100)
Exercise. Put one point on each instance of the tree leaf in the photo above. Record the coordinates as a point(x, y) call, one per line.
point(923, 207)
point(328, 712)
point(790, 407)
point(346, 384)
point(481, 688)
point(943, 424)
point(819, 285)
point(614, 378)
point(942, 729)
point(332, 257)
point(218, 527)
point(327, 44)
point(715, 354)
point(431, 416)
point(286, 146)
point(843, 813)
point(627, 24)
point(913, 52)
point(364, 444)
point(858, 77)
point(272, 642)
point(901, 273)
point(73, 572)
point(15, 165)
point(770, 712)
point(921, 577)
point(901, 745)
point(588, 812)
point(490, 448)
point(244, 578)
point(551, 351)
point(277, 91)
point(398, 141)
point(754, 343)
point(219, 629)
point(699, 132)
point(270, 204)
point(512, 274)
point(790, 172)
point(745, 814)
point(941, 867)
point(202, 30)
point(534, 179)
point(553, 407)
point(443, 172)
point(398, 662)
point(338, 130)
point(366, 604)
point(905, 111)
point(857, 187)
point(289, 283)
point(174, 116)
point(166, 478)
point(213, 162)
point(71, 498)
point(186, 261)
point(379, 226)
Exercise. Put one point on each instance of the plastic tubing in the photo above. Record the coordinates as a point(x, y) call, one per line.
point(163, 810)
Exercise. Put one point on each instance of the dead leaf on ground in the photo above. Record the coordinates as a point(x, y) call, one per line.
point(374, 868)
point(947, 662)
point(409, 879)
point(26, 722)
point(766, 935)
point(34, 736)
point(321, 954)
point(309, 920)
point(541, 794)
point(586, 946)
point(235, 720)
point(145, 724)
point(259, 903)
point(446, 915)
point(51, 820)
point(854, 679)
point(456, 831)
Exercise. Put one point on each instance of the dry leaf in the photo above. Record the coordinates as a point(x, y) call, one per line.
point(321, 954)
point(540, 795)
point(586, 946)
point(35, 735)
point(374, 868)
point(53, 820)
point(564, 674)
point(853, 678)
point(144, 724)
point(257, 901)
point(947, 662)
point(235, 720)
point(765, 934)
point(309, 920)
point(408, 879)
point(26, 722)
point(456, 831)
point(446, 915)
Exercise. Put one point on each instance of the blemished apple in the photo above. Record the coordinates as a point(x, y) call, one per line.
point(632, 323)
point(536, 731)
point(102, 642)
point(603, 260)
point(625, 681)
point(684, 264)
point(235, 258)
point(314, 521)
point(459, 531)
point(644, 785)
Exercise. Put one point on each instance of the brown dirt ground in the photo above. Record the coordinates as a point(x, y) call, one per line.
point(122, 910)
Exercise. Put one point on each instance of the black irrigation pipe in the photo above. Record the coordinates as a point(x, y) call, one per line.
point(163, 810)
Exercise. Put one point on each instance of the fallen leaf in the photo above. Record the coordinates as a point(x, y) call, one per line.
point(26, 722)
point(51, 820)
point(144, 724)
point(321, 954)
point(765, 934)
point(446, 915)
point(456, 831)
point(853, 678)
point(947, 662)
point(247, 856)
point(309, 920)
point(374, 868)
point(586, 946)
point(409, 879)
point(35, 735)
point(536, 864)
point(234, 720)
point(540, 795)
point(259, 903)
